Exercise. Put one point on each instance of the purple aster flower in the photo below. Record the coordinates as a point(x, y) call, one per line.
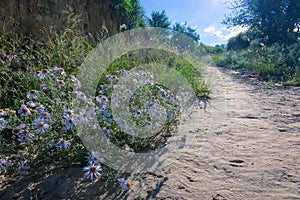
point(76, 82)
point(22, 169)
point(138, 113)
point(31, 104)
point(21, 153)
point(94, 159)
point(92, 171)
point(59, 70)
point(148, 124)
point(102, 99)
point(124, 184)
point(68, 113)
point(63, 144)
point(106, 87)
point(24, 111)
point(52, 143)
point(69, 122)
point(45, 114)
point(61, 83)
point(81, 96)
point(40, 125)
point(3, 124)
point(33, 94)
point(130, 130)
point(43, 86)
point(123, 72)
point(3, 164)
point(43, 73)
point(84, 117)
point(148, 104)
point(22, 126)
point(19, 129)
point(112, 78)
point(3, 112)
point(103, 114)
point(25, 136)
point(129, 150)
point(121, 122)
point(40, 107)
point(106, 131)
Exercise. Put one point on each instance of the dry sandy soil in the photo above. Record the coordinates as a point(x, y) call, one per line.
point(248, 148)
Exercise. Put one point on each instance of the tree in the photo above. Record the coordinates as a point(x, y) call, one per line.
point(238, 42)
point(186, 29)
point(275, 20)
point(159, 19)
point(131, 12)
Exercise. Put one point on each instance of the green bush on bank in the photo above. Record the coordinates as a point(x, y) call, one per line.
point(37, 126)
point(279, 62)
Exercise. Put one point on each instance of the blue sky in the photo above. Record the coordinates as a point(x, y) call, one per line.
point(205, 15)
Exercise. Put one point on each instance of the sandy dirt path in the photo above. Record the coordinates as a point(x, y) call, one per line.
point(254, 155)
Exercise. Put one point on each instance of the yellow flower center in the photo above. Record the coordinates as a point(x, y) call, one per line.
point(92, 169)
point(70, 112)
point(129, 184)
point(41, 124)
point(22, 169)
point(45, 114)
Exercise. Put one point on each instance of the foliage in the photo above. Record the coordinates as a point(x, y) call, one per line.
point(241, 41)
point(217, 49)
point(159, 19)
point(277, 62)
point(38, 127)
point(131, 12)
point(274, 20)
point(187, 30)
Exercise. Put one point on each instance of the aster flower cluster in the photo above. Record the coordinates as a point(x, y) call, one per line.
point(47, 121)
point(142, 103)
point(42, 120)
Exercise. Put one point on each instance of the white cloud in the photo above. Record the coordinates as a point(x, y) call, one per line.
point(224, 33)
point(209, 29)
point(212, 31)
point(235, 31)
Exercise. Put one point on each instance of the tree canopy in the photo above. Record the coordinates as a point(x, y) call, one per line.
point(186, 29)
point(274, 20)
point(159, 19)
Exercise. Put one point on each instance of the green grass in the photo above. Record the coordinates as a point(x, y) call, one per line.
point(22, 57)
point(279, 63)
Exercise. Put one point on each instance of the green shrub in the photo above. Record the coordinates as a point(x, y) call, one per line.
point(277, 62)
point(38, 130)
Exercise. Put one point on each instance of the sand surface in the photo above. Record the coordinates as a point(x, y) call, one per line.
point(252, 152)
